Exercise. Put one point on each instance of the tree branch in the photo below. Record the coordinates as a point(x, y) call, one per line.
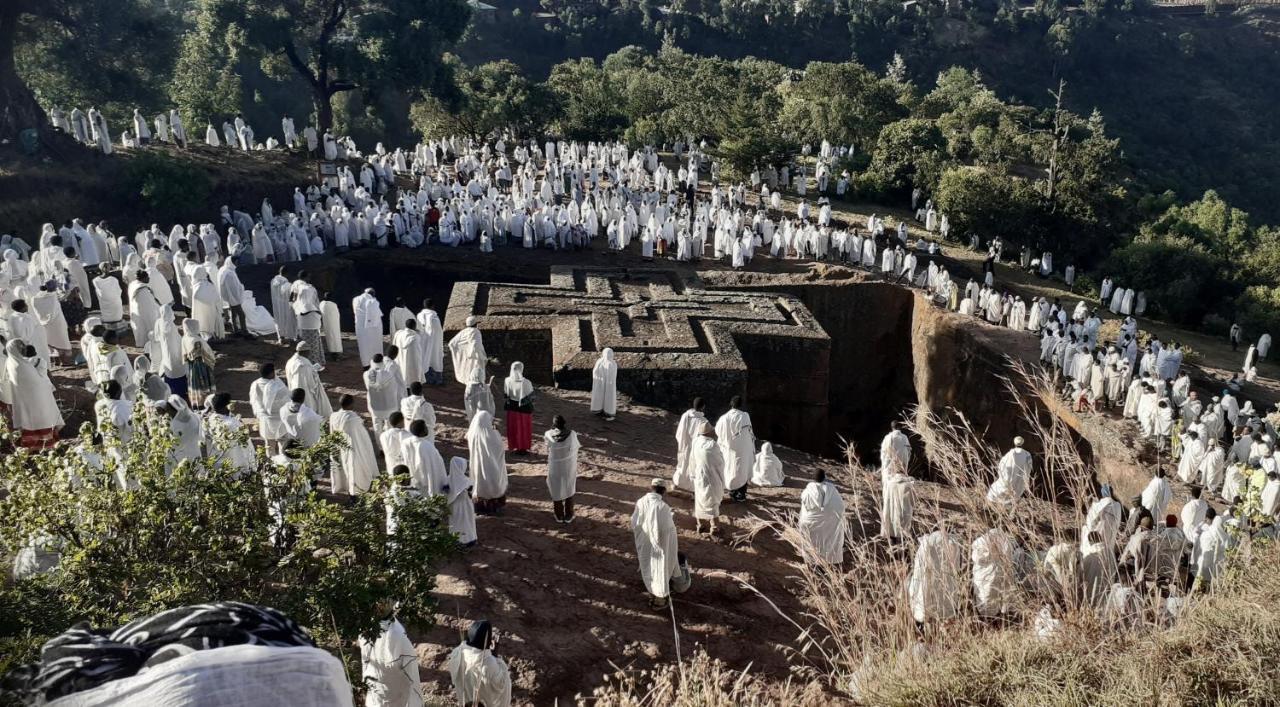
point(299, 65)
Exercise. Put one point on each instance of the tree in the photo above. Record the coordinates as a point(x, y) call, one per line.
point(908, 152)
point(591, 101)
point(195, 532)
point(1179, 276)
point(845, 103)
point(345, 45)
point(80, 51)
point(491, 98)
point(748, 139)
point(990, 203)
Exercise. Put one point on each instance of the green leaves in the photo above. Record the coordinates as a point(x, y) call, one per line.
point(202, 531)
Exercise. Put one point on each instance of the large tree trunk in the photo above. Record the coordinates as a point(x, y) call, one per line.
point(324, 109)
point(18, 107)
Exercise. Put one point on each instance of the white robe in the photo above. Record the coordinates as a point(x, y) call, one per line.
point(706, 468)
point(359, 463)
point(690, 422)
point(462, 511)
point(300, 372)
point(897, 504)
point(426, 466)
point(389, 667)
point(368, 324)
point(767, 470)
point(822, 520)
point(1011, 477)
point(562, 465)
point(654, 527)
point(331, 324)
point(479, 677)
point(487, 457)
point(469, 357)
point(738, 444)
point(995, 583)
point(934, 584)
point(604, 384)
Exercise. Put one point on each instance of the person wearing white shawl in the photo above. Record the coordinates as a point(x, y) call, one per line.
point(35, 409)
point(897, 503)
point(604, 385)
point(47, 309)
point(822, 520)
point(767, 470)
point(357, 460)
point(479, 677)
point(166, 352)
point(281, 311)
point(690, 422)
point(654, 527)
point(211, 136)
point(301, 373)
point(707, 471)
point(144, 310)
point(301, 424)
point(430, 328)
point(114, 413)
point(895, 450)
point(26, 326)
point(331, 325)
point(995, 558)
point(368, 325)
point(488, 464)
point(562, 468)
point(411, 352)
point(462, 512)
point(1103, 516)
point(225, 439)
point(1012, 475)
point(1209, 554)
point(738, 445)
point(385, 389)
point(206, 305)
point(186, 428)
point(426, 466)
point(1157, 494)
point(268, 395)
point(306, 308)
point(934, 586)
point(467, 350)
point(518, 404)
point(389, 667)
point(416, 407)
point(232, 293)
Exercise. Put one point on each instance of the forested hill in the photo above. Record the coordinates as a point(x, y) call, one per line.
point(1193, 98)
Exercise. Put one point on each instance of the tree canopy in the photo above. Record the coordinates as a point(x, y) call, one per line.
point(336, 46)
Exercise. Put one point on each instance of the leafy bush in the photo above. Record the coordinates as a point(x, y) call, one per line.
point(200, 532)
point(166, 186)
point(1258, 310)
point(1178, 275)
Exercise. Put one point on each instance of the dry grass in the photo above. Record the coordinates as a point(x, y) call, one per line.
point(858, 643)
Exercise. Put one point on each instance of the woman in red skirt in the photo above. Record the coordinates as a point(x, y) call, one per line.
point(518, 392)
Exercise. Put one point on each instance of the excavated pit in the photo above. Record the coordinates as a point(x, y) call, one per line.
point(889, 349)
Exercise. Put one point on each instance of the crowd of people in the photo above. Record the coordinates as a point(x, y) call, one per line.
point(176, 295)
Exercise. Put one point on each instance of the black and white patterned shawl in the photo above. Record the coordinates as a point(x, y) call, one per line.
point(82, 658)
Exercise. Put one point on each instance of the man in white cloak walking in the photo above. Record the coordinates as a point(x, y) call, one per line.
point(934, 585)
point(433, 332)
point(690, 423)
point(654, 527)
point(1011, 476)
point(389, 666)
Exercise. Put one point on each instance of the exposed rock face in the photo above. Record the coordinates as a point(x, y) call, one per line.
point(673, 340)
